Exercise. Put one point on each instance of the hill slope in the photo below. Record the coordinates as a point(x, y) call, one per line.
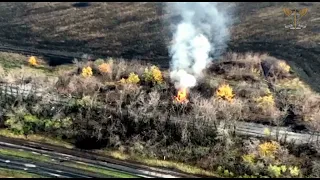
point(141, 31)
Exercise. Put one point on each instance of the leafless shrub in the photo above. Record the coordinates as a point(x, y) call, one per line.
point(248, 90)
point(25, 74)
point(236, 73)
point(78, 85)
point(83, 86)
point(314, 118)
point(252, 58)
point(230, 112)
point(204, 110)
point(238, 67)
point(275, 68)
point(315, 169)
point(122, 68)
point(306, 105)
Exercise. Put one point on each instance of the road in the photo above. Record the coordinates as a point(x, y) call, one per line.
point(54, 165)
point(46, 170)
point(48, 160)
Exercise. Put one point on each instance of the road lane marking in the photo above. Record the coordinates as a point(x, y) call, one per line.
point(35, 153)
point(53, 174)
point(100, 163)
point(30, 165)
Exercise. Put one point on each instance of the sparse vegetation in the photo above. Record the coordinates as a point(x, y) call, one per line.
point(105, 172)
point(9, 173)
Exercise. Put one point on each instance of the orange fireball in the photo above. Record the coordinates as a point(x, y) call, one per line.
point(182, 95)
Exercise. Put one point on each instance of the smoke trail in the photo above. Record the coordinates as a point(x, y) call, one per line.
point(202, 29)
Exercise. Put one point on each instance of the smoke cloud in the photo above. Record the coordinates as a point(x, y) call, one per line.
point(201, 33)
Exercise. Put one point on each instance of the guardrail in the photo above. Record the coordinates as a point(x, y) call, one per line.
point(241, 128)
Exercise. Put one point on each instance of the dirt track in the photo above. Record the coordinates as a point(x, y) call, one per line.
point(141, 31)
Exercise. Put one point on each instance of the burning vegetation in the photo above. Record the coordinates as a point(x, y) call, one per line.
point(33, 61)
point(225, 92)
point(182, 96)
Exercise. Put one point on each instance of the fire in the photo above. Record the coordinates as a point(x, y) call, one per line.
point(225, 92)
point(33, 61)
point(182, 95)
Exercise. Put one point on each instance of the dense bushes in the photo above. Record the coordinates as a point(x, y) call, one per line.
point(149, 124)
point(134, 110)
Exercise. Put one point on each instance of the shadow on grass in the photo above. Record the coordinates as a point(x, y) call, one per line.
point(81, 4)
point(89, 143)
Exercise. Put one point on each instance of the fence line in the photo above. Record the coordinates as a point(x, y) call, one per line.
point(241, 128)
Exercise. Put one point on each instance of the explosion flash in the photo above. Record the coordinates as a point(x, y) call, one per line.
point(202, 32)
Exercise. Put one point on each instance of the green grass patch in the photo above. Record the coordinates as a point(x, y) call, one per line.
point(11, 60)
point(10, 173)
point(158, 163)
point(107, 172)
point(24, 155)
point(37, 138)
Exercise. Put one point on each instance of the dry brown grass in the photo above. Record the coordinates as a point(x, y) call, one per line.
point(77, 85)
point(29, 75)
point(141, 31)
point(306, 105)
point(121, 69)
point(255, 76)
point(2, 72)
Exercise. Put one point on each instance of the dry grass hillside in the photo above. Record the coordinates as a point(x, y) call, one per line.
point(140, 31)
point(129, 108)
point(268, 75)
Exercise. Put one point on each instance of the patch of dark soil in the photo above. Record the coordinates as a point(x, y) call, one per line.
point(303, 149)
point(293, 122)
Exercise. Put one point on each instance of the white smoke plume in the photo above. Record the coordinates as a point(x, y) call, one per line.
point(203, 29)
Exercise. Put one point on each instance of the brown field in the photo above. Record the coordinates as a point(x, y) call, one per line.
point(140, 31)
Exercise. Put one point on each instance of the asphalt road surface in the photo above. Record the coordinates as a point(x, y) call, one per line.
point(41, 169)
point(49, 163)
